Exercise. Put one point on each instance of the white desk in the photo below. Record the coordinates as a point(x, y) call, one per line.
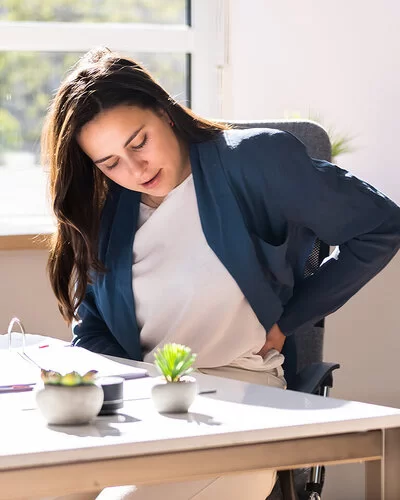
point(242, 427)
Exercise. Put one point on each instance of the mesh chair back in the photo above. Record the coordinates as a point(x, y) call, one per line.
point(309, 344)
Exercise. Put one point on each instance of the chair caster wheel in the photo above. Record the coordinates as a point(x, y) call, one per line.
point(310, 495)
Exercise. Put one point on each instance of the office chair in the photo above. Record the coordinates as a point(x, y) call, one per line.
point(313, 375)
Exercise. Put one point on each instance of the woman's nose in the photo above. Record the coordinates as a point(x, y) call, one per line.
point(136, 166)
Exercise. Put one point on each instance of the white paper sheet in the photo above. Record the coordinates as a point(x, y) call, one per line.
point(14, 370)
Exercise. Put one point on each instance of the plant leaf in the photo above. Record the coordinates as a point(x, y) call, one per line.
point(174, 360)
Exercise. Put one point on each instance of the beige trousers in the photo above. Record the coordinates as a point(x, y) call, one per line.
point(251, 485)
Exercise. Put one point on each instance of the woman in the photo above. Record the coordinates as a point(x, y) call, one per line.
point(175, 228)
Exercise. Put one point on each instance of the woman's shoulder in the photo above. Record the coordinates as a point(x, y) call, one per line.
point(256, 142)
point(237, 137)
point(247, 150)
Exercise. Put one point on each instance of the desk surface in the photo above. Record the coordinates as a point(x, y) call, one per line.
point(238, 413)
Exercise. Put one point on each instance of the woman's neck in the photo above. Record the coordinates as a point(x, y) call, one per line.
point(152, 201)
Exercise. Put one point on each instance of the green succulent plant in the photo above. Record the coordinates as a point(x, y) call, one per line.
point(70, 379)
point(174, 361)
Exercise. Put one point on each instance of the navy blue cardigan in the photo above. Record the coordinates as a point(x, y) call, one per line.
point(262, 202)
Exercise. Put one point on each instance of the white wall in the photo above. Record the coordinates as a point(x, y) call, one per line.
point(338, 60)
point(25, 292)
point(335, 59)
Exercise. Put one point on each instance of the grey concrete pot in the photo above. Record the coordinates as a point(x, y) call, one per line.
point(75, 405)
point(174, 397)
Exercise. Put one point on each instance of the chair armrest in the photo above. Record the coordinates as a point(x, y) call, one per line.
point(315, 376)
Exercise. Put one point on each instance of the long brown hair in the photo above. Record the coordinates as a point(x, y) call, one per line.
point(101, 80)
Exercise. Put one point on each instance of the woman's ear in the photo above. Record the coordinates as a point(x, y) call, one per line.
point(166, 117)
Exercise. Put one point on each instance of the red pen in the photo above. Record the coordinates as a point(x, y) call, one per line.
point(16, 388)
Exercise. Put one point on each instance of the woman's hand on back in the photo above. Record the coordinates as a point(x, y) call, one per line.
point(275, 340)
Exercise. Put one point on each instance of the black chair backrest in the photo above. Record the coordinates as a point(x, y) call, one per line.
point(309, 345)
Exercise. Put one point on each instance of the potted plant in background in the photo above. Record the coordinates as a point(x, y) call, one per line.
point(174, 391)
point(69, 399)
point(340, 143)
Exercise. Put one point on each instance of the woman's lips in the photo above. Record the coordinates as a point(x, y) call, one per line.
point(153, 181)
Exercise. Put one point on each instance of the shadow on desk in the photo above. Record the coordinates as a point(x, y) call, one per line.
point(102, 426)
point(192, 417)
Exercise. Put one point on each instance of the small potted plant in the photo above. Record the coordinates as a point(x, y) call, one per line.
point(174, 391)
point(69, 399)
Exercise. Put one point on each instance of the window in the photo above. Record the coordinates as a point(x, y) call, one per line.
point(97, 11)
point(179, 41)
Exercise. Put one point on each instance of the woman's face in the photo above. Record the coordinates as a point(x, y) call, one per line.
point(136, 148)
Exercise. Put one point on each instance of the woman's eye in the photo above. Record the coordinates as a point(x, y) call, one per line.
point(110, 167)
point(139, 146)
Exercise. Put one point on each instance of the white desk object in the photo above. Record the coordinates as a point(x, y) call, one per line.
point(241, 427)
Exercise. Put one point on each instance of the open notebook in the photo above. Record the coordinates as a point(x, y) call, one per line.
point(16, 370)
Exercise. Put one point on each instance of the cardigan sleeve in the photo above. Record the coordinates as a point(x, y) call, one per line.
point(342, 211)
point(92, 333)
